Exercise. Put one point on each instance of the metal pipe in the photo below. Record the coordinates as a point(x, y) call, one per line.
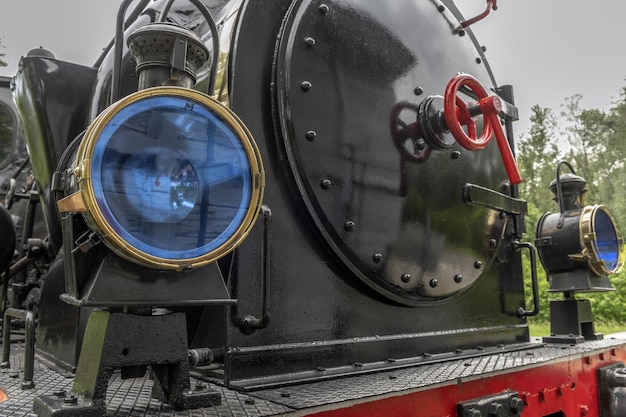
point(29, 354)
point(522, 312)
point(131, 18)
point(214, 37)
point(249, 323)
point(118, 49)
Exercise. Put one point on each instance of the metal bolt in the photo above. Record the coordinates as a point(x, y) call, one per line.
point(348, 226)
point(458, 278)
point(71, 400)
point(617, 378)
point(27, 385)
point(324, 9)
point(473, 412)
point(311, 135)
point(305, 86)
point(418, 91)
point(433, 283)
point(326, 184)
point(478, 60)
point(516, 405)
point(455, 155)
point(478, 264)
point(59, 393)
point(309, 41)
point(493, 243)
point(496, 410)
point(377, 257)
point(462, 32)
point(441, 8)
point(406, 278)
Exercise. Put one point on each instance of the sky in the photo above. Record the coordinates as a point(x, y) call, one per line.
point(548, 50)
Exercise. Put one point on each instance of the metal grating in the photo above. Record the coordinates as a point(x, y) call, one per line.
point(125, 398)
point(411, 378)
point(132, 397)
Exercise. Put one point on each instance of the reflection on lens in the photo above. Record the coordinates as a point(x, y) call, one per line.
point(606, 240)
point(175, 182)
point(160, 184)
point(172, 179)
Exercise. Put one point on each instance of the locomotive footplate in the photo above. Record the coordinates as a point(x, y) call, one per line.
point(132, 397)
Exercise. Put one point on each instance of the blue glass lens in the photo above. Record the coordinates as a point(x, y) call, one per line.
point(606, 239)
point(171, 177)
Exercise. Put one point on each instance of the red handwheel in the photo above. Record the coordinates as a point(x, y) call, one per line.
point(457, 114)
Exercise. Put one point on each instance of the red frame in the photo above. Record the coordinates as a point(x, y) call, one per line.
point(569, 386)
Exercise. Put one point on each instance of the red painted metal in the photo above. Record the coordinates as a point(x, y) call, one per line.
point(566, 386)
point(491, 4)
point(491, 107)
point(457, 114)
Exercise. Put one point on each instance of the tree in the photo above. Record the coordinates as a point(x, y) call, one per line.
point(612, 183)
point(2, 55)
point(589, 133)
point(597, 151)
point(536, 159)
point(537, 156)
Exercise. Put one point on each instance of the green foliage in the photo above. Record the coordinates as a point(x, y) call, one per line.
point(2, 55)
point(537, 153)
point(595, 142)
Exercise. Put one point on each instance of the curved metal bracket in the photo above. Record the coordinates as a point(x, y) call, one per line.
point(249, 323)
point(522, 312)
point(119, 44)
point(491, 5)
point(214, 37)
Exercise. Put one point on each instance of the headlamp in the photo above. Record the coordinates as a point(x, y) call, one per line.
point(588, 237)
point(169, 177)
point(579, 247)
point(603, 242)
point(579, 241)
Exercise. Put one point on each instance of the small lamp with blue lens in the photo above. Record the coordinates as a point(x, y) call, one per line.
point(579, 247)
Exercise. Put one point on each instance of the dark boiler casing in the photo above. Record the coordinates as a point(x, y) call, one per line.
point(364, 256)
point(289, 207)
point(373, 258)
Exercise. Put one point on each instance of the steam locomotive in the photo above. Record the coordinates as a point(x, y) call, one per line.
point(289, 207)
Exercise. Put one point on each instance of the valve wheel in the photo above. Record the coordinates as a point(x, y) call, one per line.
point(457, 113)
point(405, 136)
